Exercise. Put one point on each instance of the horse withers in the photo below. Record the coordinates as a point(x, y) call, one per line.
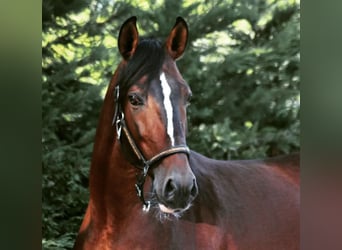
point(148, 190)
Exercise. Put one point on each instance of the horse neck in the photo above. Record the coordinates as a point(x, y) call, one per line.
point(112, 177)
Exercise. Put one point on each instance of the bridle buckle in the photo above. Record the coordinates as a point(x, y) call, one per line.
point(118, 124)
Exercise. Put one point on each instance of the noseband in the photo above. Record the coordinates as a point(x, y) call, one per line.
point(144, 166)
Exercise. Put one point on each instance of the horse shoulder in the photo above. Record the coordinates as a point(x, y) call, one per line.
point(92, 234)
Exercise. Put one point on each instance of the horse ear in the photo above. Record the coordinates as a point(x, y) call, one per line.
point(128, 38)
point(177, 39)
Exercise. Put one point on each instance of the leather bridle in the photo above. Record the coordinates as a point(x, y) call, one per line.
point(144, 166)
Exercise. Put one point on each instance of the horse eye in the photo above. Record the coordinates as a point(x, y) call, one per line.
point(135, 99)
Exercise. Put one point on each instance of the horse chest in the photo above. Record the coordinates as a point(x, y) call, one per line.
point(173, 235)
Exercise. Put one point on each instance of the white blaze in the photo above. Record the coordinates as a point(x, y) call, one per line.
point(168, 106)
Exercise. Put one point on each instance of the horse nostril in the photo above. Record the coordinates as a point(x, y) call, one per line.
point(170, 189)
point(194, 189)
point(179, 192)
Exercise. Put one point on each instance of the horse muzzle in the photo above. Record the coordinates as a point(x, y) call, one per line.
point(175, 189)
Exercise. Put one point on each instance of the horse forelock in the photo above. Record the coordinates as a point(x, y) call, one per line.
point(146, 61)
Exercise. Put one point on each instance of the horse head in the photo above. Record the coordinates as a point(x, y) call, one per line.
point(152, 98)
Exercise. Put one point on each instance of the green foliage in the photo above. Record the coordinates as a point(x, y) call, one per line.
point(242, 63)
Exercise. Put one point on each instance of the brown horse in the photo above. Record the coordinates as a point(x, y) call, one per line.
point(185, 200)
